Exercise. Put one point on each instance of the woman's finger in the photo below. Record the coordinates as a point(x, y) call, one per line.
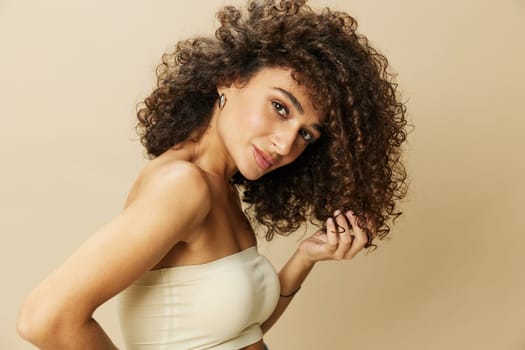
point(340, 221)
point(345, 238)
point(359, 239)
point(332, 237)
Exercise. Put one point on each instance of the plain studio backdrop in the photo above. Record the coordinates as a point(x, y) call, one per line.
point(451, 277)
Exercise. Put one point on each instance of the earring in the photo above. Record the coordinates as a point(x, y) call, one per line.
point(222, 101)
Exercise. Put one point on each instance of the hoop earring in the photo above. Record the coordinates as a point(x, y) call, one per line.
point(222, 101)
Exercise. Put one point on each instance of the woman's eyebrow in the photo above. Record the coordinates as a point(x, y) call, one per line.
point(318, 127)
point(292, 99)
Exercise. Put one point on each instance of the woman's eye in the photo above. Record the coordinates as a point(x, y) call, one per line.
point(280, 109)
point(306, 135)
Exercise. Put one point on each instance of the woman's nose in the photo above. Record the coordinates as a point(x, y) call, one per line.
point(284, 141)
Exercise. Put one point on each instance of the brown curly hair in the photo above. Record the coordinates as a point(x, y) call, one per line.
point(356, 164)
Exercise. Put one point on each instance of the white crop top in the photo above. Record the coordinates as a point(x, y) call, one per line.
point(218, 305)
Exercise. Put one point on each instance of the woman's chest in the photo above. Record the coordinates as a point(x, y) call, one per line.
point(208, 303)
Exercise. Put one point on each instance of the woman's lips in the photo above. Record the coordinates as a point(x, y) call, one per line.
point(261, 159)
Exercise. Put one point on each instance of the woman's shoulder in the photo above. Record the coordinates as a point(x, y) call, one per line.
point(179, 178)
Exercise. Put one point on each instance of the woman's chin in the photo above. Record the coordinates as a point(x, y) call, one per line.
point(251, 175)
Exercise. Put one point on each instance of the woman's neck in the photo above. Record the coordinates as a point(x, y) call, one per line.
point(210, 154)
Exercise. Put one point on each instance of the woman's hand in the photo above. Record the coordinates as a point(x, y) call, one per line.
point(343, 239)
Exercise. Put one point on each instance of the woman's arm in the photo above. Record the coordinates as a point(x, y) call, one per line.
point(291, 278)
point(58, 313)
point(343, 239)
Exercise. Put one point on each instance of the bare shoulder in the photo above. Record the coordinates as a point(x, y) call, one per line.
point(176, 181)
point(174, 173)
point(167, 204)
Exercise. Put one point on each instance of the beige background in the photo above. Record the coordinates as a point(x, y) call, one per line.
point(452, 275)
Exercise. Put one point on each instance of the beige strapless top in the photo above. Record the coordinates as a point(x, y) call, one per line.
point(217, 305)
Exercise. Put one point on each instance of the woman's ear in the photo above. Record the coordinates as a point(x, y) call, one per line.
point(222, 100)
point(222, 90)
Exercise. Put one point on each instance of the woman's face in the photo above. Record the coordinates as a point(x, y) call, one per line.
point(268, 122)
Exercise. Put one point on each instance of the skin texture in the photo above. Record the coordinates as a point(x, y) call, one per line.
point(355, 165)
point(210, 224)
point(260, 117)
point(311, 132)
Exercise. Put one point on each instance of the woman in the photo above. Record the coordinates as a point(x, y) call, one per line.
point(291, 107)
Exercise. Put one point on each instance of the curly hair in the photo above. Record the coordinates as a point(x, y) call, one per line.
point(355, 165)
